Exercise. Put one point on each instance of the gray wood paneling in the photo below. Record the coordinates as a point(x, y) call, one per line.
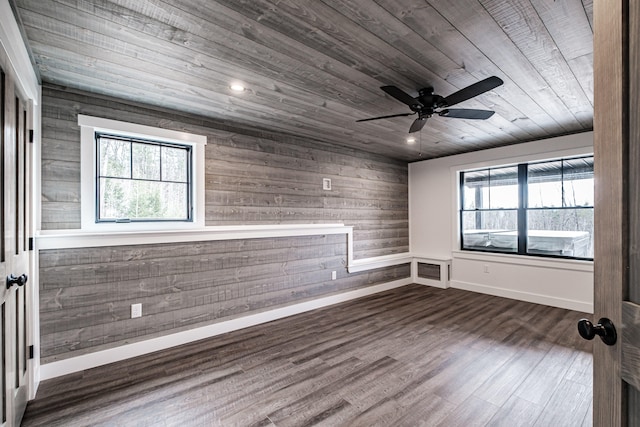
point(86, 294)
point(250, 178)
point(313, 68)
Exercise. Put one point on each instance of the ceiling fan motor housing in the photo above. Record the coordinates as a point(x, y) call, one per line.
point(429, 102)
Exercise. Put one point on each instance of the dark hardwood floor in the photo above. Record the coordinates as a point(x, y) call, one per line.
point(413, 356)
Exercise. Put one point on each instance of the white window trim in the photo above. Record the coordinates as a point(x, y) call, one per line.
point(89, 126)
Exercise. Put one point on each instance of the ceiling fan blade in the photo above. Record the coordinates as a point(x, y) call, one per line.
point(418, 124)
point(470, 91)
point(386, 117)
point(464, 113)
point(402, 96)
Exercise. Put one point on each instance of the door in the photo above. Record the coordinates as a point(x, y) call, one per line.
point(14, 253)
point(617, 211)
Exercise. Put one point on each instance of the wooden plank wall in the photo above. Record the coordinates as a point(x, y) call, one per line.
point(86, 294)
point(251, 177)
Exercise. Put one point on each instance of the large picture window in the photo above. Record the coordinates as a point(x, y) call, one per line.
point(542, 208)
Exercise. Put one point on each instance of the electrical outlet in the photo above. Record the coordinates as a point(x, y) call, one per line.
point(334, 275)
point(486, 268)
point(136, 310)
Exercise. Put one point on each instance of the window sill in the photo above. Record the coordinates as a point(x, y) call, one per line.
point(533, 261)
point(67, 239)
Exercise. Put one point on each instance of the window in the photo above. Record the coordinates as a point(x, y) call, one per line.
point(136, 177)
point(542, 208)
point(141, 180)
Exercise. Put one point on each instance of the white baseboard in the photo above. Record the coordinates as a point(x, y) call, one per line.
point(524, 296)
point(429, 282)
point(127, 351)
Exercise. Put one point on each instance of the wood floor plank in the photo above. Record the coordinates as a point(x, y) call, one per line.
point(516, 412)
point(499, 387)
point(465, 380)
point(567, 406)
point(473, 412)
point(545, 378)
point(588, 418)
point(430, 409)
point(410, 356)
point(581, 370)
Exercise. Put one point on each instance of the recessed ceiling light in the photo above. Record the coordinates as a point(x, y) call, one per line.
point(237, 87)
point(411, 140)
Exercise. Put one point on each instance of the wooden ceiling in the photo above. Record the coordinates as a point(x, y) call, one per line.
point(312, 68)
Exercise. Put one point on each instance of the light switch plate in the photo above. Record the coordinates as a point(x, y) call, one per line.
point(326, 183)
point(136, 310)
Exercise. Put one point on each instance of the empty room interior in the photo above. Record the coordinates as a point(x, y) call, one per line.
point(340, 213)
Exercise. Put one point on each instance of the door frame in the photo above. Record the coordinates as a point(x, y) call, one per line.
point(27, 83)
point(617, 214)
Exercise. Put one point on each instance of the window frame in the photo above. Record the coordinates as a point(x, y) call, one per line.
point(522, 209)
point(89, 199)
point(189, 175)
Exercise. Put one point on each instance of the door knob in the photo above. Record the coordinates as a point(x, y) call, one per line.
point(13, 280)
point(604, 329)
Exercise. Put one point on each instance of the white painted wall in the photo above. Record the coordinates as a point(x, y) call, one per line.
point(433, 220)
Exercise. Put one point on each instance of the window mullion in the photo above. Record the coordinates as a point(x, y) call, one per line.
point(522, 208)
point(161, 150)
point(478, 203)
point(98, 151)
point(564, 203)
point(461, 210)
point(190, 194)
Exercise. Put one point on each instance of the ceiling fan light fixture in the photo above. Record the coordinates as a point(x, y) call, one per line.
point(237, 87)
point(411, 140)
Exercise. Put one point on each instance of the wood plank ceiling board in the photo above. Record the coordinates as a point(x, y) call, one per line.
point(312, 68)
point(463, 52)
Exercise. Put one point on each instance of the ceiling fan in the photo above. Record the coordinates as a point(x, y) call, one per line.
point(427, 103)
